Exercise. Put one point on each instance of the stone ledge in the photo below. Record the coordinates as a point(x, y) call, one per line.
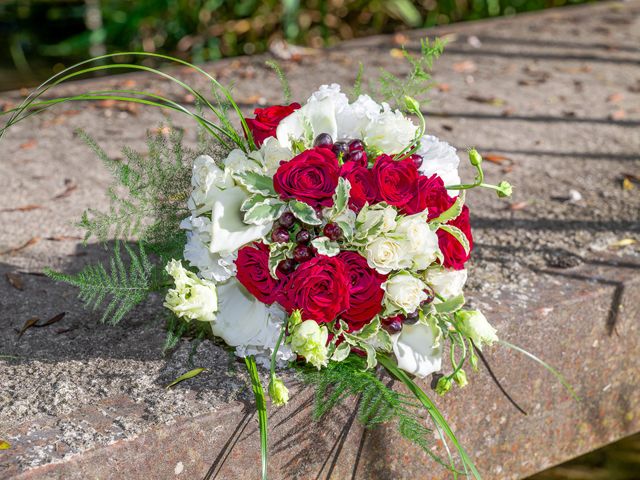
point(85, 400)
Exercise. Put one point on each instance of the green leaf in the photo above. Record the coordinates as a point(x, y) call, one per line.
point(304, 212)
point(186, 376)
point(341, 352)
point(450, 305)
point(264, 212)
point(251, 201)
point(261, 406)
point(458, 235)
point(326, 246)
point(383, 341)
point(340, 198)
point(256, 183)
point(453, 212)
point(277, 253)
point(372, 359)
point(369, 330)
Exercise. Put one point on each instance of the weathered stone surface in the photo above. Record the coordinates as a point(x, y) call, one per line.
point(558, 93)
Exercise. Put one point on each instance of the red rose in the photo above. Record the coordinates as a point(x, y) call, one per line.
point(453, 251)
point(430, 195)
point(397, 180)
point(267, 121)
point(311, 177)
point(363, 185)
point(253, 272)
point(319, 288)
point(365, 293)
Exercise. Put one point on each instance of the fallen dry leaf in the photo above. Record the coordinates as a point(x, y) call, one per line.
point(615, 97)
point(29, 144)
point(62, 238)
point(400, 39)
point(4, 445)
point(32, 241)
point(518, 206)
point(71, 187)
point(15, 280)
point(627, 184)
point(27, 325)
point(52, 320)
point(396, 53)
point(466, 66)
point(24, 208)
point(443, 87)
point(495, 101)
point(618, 115)
point(494, 158)
point(623, 243)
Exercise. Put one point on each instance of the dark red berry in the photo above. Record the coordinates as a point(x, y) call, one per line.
point(392, 326)
point(323, 140)
point(417, 160)
point(287, 219)
point(280, 235)
point(303, 236)
point(318, 210)
point(287, 266)
point(340, 148)
point(430, 295)
point(412, 318)
point(332, 231)
point(356, 145)
point(302, 253)
point(357, 156)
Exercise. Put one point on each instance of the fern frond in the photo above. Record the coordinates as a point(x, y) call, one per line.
point(284, 82)
point(121, 289)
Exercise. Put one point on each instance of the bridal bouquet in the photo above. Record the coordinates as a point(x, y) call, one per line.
point(328, 237)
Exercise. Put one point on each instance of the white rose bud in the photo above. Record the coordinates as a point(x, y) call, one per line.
point(422, 242)
point(404, 292)
point(192, 298)
point(386, 254)
point(475, 325)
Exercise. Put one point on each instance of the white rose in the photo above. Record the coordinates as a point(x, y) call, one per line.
point(421, 240)
point(418, 350)
point(391, 132)
point(475, 325)
point(192, 298)
point(403, 292)
point(447, 283)
point(441, 158)
point(381, 215)
point(386, 254)
point(228, 230)
point(270, 155)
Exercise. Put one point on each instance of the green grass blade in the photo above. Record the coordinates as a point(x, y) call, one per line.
point(261, 406)
point(555, 372)
point(186, 376)
point(432, 409)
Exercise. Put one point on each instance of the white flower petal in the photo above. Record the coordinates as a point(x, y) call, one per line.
point(228, 230)
point(417, 349)
point(441, 158)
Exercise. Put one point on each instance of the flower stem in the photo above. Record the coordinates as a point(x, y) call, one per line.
point(283, 329)
point(261, 406)
point(432, 409)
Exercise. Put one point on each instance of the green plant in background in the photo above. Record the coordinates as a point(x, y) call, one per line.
point(42, 36)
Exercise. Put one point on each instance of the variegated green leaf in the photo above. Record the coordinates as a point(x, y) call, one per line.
point(458, 235)
point(326, 246)
point(264, 212)
point(251, 201)
point(341, 352)
point(304, 212)
point(453, 212)
point(450, 305)
point(256, 183)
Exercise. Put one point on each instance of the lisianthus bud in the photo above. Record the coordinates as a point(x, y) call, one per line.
point(411, 104)
point(310, 340)
point(474, 325)
point(443, 386)
point(192, 298)
point(278, 392)
point(460, 377)
point(504, 189)
point(474, 157)
point(295, 318)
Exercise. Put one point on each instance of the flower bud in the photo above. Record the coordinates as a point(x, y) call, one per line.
point(443, 386)
point(278, 392)
point(504, 189)
point(295, 318)
point(474, 157)
point(411, 104)
point(310, 340)
point(474, 325)
point(460, 377)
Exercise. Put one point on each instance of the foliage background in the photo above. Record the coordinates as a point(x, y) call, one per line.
point(40, 37)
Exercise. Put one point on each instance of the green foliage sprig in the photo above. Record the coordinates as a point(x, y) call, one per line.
point(123, 288)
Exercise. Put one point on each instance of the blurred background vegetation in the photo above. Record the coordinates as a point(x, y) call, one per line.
point(41, 37)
